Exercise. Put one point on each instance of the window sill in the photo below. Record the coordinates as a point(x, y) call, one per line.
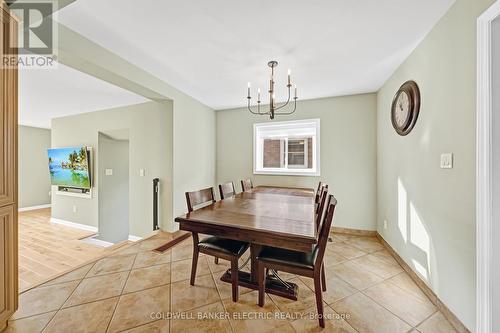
point(287, 173)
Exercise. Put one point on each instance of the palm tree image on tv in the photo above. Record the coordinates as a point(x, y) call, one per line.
point(69, 167)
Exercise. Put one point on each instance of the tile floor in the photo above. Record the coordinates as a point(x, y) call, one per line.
point(137, 290)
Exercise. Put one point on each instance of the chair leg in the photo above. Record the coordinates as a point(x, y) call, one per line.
point(234, 279)
point(195, 258)
point(216, 260)
point(262, 284)
point(319, 299)
point(323, 277)
point(194, 265)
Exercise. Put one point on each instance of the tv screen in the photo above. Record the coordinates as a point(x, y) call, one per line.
point(69, 167)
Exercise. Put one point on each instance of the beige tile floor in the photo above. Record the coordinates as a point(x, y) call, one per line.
point(137, 290)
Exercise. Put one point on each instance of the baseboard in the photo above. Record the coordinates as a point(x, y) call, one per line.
point(97, 242)
point(133, 238)
point(73, 224)
point(450, 316)
point(25, 209)
point(355, 232)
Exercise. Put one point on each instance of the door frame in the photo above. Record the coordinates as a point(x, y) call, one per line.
point(484, 158)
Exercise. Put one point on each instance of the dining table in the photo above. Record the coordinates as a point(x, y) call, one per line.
point(281, 217)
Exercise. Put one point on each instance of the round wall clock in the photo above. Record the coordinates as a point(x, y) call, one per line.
point(405, 107)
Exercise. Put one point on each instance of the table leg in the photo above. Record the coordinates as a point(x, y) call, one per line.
point(254, 252)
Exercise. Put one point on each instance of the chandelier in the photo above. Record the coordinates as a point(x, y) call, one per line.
point(273, 107)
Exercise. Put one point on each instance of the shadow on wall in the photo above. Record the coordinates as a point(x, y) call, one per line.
point(416, 237)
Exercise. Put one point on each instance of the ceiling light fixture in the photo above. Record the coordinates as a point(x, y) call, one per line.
point(273, 107)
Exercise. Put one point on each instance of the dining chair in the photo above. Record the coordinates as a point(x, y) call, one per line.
point(317, 220)
point(320, 205)
point(321, 189)
point(218, 247)
point(246, 185)
point(321, 209)
point(308, 264)
point(226, 190)
point(316, 198)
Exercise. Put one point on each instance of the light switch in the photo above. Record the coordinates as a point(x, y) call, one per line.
point(109, 172)
point(446, 161)
point(142, 172)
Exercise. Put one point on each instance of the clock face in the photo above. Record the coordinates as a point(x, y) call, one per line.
point(402, 112)
point(405, 108)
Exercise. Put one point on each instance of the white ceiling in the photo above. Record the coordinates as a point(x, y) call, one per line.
point(48, 93)
point(211, 49)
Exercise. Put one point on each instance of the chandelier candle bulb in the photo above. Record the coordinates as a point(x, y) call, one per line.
point(258, 95)
point(289, 72)
point(249, 85)
point(295, 95)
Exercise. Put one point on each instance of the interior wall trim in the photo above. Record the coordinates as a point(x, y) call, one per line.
point(73, 224)
point(97, 242)
point(447, 313)
point(355, 232)
point(25, 209)
point(484, 188)
point(133, 238)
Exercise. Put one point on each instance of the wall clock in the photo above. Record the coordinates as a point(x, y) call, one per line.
point(405, 107)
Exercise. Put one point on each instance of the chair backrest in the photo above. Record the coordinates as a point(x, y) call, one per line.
point(226, 190)
point(246, 185)
point(324, 230)
point(321, 207)
point(317, 197)
point(321, 189)
point(200, 197)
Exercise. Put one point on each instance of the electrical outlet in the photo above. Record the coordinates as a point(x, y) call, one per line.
point(142, 172)
point(446, 161)
point(75, 209)
point(385, 224)
point(108, 172)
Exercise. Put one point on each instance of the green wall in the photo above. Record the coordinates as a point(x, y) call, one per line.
point(348, 153)
point(431, 211)
point(34, 180)
point(194, 151)
point(150, 143)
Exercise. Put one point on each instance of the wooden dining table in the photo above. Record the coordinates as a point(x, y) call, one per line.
point(264, 216)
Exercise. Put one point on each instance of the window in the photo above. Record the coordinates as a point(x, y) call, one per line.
point(287, 148)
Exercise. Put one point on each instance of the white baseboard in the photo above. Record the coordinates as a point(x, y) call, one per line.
point(25, 209)
point(133, 238)
point(95, 241)
point(73, 224)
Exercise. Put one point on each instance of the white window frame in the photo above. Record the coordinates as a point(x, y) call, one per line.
point(258, 146)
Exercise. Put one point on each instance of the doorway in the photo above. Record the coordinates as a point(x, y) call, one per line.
point(113, 186)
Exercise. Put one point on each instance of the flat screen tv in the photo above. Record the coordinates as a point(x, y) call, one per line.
point(70, 167)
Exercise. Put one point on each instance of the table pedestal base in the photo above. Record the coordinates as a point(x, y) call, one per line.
point(273, 285)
